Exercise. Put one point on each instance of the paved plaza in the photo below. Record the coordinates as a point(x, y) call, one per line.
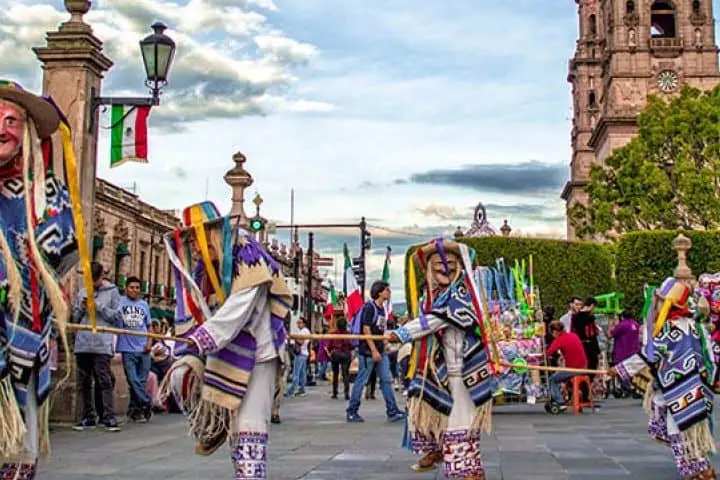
point(315, 443)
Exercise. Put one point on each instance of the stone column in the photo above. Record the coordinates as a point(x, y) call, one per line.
point(239, 180)
point(683, 273)
point(73, 64)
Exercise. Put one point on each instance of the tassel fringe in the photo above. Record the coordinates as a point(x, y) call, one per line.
point(44, 428)
point(648, 397)
point(483, 418)
point(426, 419)
point(205, 419)
point(12, 426)
point(697, 441)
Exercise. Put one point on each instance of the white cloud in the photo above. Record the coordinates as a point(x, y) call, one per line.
point(229, 62)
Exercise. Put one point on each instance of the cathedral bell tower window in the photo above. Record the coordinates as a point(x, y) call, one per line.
point(630, 7)
point(592, 100)
point(696, 7)
point(662, 19)
point(592, 22)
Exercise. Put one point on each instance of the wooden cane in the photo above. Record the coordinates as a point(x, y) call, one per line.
point(555, 369)
point(159, 336)
point(120, 331)
point(338, 336)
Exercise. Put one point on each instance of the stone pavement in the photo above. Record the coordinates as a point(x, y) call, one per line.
point(315, 443)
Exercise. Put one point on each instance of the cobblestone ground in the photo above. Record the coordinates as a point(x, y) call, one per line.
point(315, 443)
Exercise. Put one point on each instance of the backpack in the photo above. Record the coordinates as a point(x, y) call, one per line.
point(356, 322)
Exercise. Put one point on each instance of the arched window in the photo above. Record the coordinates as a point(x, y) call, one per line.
point(662, 19)
point(696, 7)
point(592, 22)
point(629, 7)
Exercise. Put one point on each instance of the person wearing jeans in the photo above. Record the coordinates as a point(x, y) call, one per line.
point(571, 348)
point(94, 351)
point(135, 350)
point(300, 363)
point(372, 356)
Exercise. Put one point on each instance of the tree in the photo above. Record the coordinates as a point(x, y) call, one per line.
point(668, 177)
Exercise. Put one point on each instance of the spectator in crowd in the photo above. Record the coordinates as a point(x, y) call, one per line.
point(373, 357)
point(93, 352)
point(575, 304)
point(548, 319)
point(323, 358)
point(340, 357)
point(135, 350)
point(300, 363)
point(586, 328)
point(571, 348)
point(626, 335)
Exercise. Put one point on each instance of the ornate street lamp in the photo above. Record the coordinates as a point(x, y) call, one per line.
point(158, 51)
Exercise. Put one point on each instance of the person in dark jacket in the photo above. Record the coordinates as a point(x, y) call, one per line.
point(586, 328)
point(340, 358)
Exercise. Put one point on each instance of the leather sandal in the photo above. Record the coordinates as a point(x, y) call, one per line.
point(427, 462)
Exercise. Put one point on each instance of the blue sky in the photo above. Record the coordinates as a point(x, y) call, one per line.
point(406, 112)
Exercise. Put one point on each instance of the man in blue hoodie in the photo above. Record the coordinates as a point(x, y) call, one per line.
point(94, 351)
point(136, 350)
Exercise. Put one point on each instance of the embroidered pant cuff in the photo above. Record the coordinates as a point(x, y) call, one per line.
point(249, 455)
point(18, 471)
point(422, 444)
point(688, 466)
point(461, 453)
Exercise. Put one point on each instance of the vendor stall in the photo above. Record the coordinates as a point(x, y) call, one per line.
point(513, 304)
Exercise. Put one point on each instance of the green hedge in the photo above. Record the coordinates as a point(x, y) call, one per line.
point(561, 268)
point(648, 257)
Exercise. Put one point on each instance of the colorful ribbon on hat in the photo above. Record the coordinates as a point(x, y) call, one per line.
point(197, 220)
point(74, 190)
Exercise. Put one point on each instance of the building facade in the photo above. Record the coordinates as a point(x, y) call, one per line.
point(627, 50)
point(128, 241)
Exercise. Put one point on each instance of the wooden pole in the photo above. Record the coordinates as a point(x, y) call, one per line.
point(120, 331)
point(158, 336)
point(555, 369)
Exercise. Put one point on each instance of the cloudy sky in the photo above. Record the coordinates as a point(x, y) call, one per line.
point(409, 113)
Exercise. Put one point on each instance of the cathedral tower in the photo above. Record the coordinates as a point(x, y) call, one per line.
point(627, 50)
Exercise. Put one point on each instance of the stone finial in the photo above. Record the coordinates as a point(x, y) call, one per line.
point(459, 232)
point(683, 273)
point(505, 229)
point(76, 24)
point(239, 180)
point(77, 8)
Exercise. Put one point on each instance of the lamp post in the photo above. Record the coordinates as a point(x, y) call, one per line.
point(158, 51)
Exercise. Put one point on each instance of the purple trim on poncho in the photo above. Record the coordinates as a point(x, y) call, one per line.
point(424, 321)
point(251, 252)
point(278, 331)
point(204, 340)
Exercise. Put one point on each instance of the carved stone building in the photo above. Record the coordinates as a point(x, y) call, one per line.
point(127, 241)
point(627, 50)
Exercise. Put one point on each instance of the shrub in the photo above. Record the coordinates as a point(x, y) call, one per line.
point(561, 268)
point(648, 257)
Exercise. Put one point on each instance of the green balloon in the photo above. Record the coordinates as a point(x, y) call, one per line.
point(520, 365)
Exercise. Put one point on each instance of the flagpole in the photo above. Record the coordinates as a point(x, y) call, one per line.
point(292, 213)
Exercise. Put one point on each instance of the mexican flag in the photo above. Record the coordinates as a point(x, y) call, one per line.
point(386, 279)
point(354, 298)
point(331, 302)
point(128, 135)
